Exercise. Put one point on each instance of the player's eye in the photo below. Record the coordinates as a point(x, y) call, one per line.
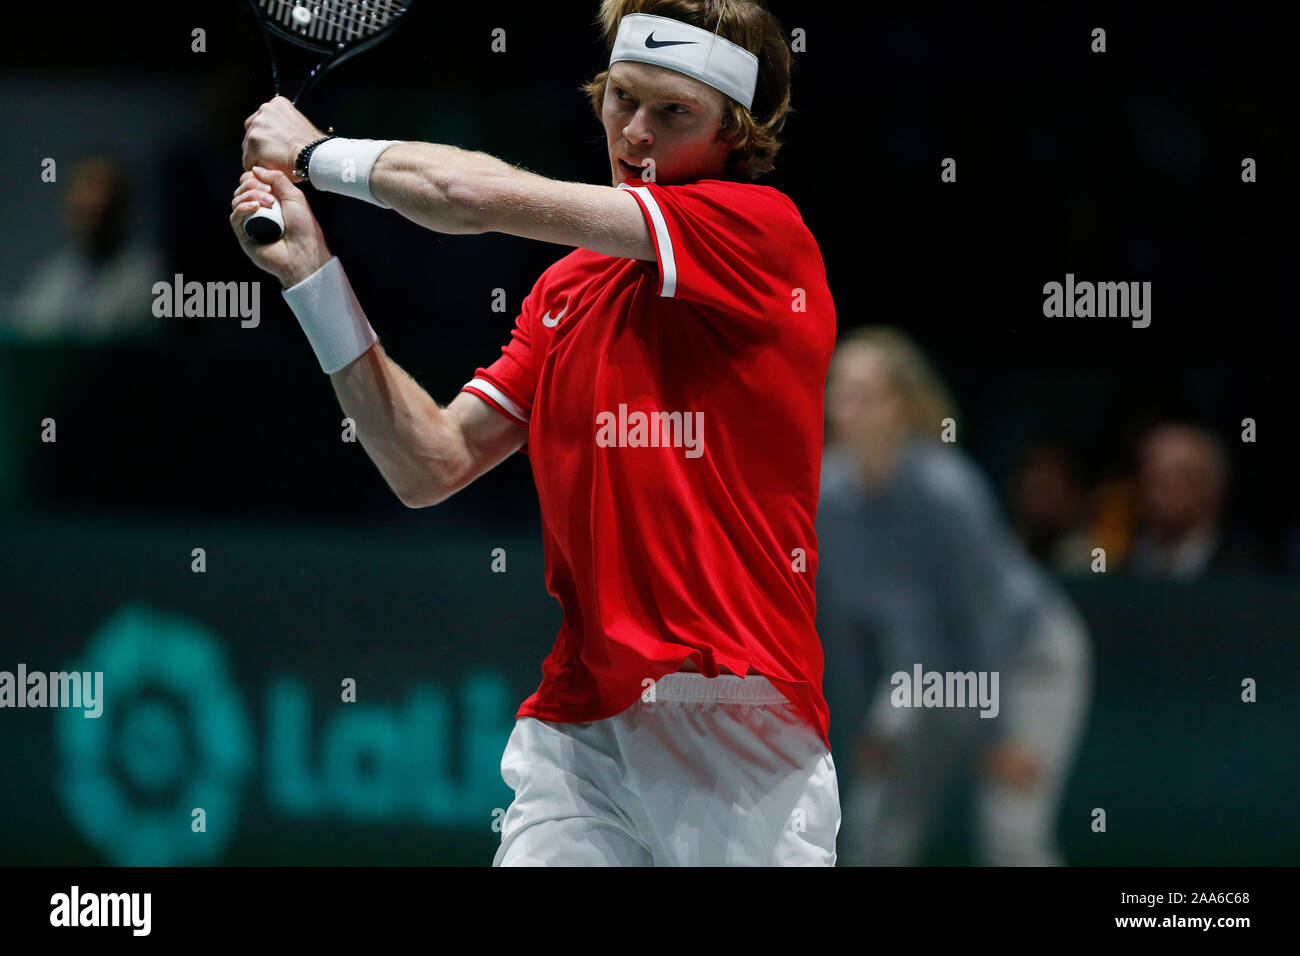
point(677, 109)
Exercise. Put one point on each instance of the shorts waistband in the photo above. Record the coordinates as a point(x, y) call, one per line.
point(723, 689)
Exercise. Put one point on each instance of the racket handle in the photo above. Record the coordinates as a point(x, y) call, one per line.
point(265, 225)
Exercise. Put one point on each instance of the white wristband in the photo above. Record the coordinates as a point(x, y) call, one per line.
point(328, 311)
point(343, 166)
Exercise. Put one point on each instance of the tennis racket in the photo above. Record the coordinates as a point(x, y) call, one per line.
point(330, 31)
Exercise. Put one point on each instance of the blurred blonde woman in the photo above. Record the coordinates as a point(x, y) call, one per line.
point(918, 567)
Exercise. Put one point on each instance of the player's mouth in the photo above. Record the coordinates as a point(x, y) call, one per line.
point(631, 169)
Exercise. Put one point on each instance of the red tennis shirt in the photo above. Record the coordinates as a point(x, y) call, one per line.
point(674, 412)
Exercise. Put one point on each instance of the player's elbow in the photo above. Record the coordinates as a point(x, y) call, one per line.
point(463, 199)
point(416, 498)
point(414, 502)
point(426, 494)
point(489, 195)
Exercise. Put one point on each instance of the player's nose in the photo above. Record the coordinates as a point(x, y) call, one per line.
point(638, 129)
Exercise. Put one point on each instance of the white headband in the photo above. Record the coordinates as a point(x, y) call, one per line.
point(687, 49)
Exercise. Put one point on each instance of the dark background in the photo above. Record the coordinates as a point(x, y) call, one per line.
point(1124, 165)
point(1119, 166)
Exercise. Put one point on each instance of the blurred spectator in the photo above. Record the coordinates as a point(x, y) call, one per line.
point(916, 567)
point(1051, 510)
point(1115, 517)
point(1183, 482)
point(98, 286)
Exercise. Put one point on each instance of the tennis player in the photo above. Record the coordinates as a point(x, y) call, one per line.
point(666, 380)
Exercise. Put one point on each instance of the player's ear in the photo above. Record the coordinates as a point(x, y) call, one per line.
point(731, 137)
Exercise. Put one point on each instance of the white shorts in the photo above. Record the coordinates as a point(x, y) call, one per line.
point(721, 771)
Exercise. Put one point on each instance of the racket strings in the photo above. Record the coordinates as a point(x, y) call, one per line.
point(334, 16)
point(351, 19)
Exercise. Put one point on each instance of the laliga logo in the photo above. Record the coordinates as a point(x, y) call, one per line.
point(175, 737)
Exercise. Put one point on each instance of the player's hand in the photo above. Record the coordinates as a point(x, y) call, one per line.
point(1013, 766)
point(301, 250)
point(276, 134)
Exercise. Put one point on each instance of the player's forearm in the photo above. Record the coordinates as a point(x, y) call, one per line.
point(443, 188)
point(411, 440)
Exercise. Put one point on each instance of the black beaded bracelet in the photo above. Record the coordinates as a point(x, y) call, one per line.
point(301, 165)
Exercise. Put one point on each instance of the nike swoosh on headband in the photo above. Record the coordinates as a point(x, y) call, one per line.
point(652, 43)
point(709, 58)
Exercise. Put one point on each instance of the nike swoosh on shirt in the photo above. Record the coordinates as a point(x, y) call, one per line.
point(652, 43)
point(551, 323)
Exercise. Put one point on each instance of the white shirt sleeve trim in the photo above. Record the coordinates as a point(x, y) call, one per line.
point(494, 393)
point(667, 262)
